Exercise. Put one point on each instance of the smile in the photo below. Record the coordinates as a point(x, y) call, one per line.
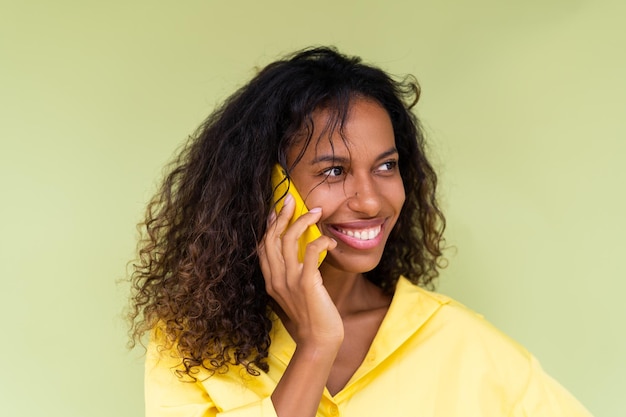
point(360, 235)
point(363, 234)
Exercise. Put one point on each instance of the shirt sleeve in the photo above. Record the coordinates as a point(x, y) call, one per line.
point(544, 397)
point(167, 395)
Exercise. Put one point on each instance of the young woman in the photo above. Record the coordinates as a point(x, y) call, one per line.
point(240, 325)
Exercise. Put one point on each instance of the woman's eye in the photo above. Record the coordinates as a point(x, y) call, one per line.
point(333, 172)
point(388, 166)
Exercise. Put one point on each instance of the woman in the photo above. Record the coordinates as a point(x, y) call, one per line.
point(240, 325)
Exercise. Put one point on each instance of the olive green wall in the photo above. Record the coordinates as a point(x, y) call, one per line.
point(523, 102)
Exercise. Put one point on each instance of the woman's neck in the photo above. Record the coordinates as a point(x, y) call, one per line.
point(351, 292)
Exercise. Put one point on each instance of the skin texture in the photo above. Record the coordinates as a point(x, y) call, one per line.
point(353, 186)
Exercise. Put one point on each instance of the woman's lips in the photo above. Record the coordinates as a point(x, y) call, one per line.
point(359, 235)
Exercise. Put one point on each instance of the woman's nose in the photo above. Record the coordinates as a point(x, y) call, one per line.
point(364, 196)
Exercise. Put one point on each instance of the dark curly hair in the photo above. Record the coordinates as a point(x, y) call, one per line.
point(197, 276)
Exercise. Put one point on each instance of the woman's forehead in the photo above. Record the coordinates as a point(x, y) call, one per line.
point(365, 127)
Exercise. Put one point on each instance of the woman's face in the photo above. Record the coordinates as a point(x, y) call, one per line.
point(355, 181)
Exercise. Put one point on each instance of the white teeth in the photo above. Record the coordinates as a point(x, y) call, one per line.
point(367, 234)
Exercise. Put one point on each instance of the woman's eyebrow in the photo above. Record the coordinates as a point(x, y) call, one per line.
point(388, 153)
point(330, 158)
point(344, 160)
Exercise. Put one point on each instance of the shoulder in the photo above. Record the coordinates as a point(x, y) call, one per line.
point(162, 353)
point(453, 333)
point(459, 324)
point(450, 315)
point(463, 345)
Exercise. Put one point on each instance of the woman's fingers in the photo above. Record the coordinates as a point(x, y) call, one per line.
point(313, 251)
point(281, 240)
point(291, 240)
point(286, 212)
point(286, 278)
point(297, 286)
point(270, 249)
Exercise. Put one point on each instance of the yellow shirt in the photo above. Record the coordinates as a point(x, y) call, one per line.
point(431, 357)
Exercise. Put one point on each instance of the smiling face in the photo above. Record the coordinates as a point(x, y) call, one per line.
point(356, 182)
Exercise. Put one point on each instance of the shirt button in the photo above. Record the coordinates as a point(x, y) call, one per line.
point(334, 410)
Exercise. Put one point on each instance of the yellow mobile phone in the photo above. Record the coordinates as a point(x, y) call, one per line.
point(281, 185)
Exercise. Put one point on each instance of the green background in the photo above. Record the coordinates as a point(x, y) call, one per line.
point(523, 102)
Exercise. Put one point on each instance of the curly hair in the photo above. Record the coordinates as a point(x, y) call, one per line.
point(197, 275)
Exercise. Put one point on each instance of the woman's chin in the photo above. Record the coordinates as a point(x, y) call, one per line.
point(351, 264)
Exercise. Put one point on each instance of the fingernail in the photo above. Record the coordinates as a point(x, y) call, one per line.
point(288, 198)
point(315, 210)
point(272, 216)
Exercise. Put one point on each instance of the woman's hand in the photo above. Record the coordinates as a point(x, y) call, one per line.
point(299, 291)
point(297, 287)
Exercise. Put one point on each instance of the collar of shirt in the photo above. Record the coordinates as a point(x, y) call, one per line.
point(410, 308)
